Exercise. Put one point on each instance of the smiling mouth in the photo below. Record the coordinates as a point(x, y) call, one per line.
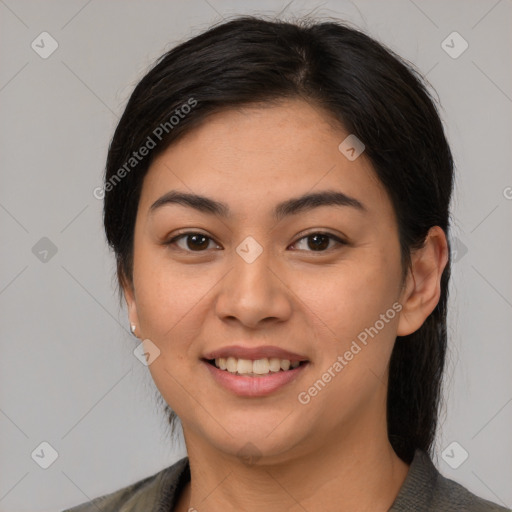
point(255, 368)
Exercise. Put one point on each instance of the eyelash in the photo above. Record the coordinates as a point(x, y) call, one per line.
point(336, 239)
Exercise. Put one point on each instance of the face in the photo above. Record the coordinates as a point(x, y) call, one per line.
point(321, 280)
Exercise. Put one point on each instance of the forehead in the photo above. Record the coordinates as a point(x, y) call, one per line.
point(260, 155)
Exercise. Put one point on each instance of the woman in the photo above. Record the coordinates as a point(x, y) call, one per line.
point(277, 197)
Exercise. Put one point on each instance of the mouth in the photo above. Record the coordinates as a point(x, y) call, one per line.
point(254, 378)
point(254, 367)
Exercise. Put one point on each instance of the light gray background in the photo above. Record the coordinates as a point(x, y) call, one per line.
point(68, 375)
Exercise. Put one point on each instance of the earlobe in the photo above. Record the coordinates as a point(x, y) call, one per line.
point(423, 285)
point(132, 315)
point(132, 310)
point(131, 305)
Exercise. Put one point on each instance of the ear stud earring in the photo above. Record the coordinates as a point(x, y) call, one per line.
point(132, 328)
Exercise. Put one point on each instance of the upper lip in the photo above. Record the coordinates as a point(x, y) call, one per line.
point(254, 353)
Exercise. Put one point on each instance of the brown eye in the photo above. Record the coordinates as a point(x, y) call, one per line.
point(319, 242)
point(198, 242)
point(194, 242)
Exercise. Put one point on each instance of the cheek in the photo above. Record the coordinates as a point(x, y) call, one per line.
point(173, 301)
point(351, 307)
point(161, 294)
point(351, 296)
point(354, 329)
point(166, 302)
point(170, 309)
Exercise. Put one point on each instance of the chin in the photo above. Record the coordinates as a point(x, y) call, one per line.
point(258, 444)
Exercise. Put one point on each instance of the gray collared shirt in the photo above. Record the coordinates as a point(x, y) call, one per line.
point(424, 490)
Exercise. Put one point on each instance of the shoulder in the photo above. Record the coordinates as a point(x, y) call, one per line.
point(425, 489)
point(147, 494)
point(452, 494)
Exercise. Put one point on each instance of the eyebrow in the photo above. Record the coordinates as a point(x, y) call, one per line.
point(289, 207)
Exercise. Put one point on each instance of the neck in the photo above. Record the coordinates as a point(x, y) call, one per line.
point(343, 476)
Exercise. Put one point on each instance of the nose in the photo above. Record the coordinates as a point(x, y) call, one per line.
point(253, 293)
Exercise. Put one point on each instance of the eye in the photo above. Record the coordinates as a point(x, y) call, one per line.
point(198, 242)
point(319, 241)
point(194, 242)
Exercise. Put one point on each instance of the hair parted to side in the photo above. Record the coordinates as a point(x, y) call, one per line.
point(360, 84)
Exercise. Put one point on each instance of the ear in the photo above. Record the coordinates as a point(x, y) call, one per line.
point(131, 304)
point(422, 289)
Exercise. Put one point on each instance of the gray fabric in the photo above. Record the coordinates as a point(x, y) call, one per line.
point(424, 490)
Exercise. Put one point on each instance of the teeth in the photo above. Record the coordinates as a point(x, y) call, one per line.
point(231, 364)
point(244, 366)
point(259, 366)
point(274, 364)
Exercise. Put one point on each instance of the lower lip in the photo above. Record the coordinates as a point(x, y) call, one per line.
point(254, 386)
